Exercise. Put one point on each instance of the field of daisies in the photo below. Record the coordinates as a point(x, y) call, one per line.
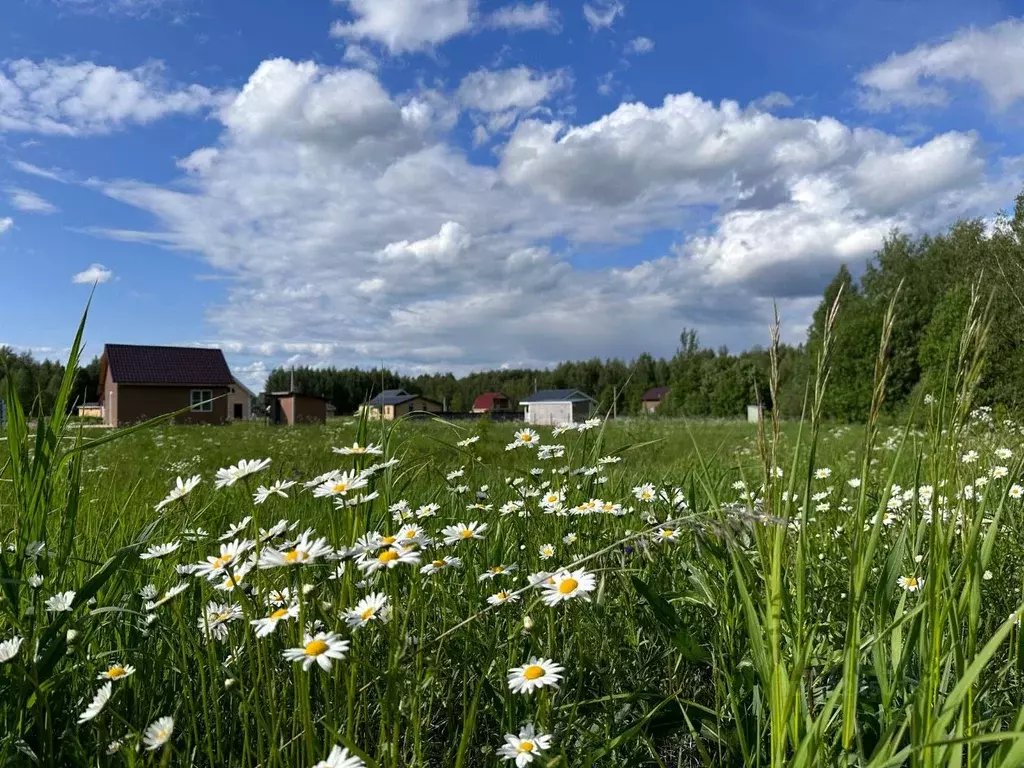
point(631, 593)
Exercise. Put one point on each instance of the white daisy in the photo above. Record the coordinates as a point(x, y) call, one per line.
point(373, 607)
point(527, 437)
point(340, 758)
point(268, 624)
point(359, 450)
point(9, 649)
point(97, 704)
point(439, 565)
point(525, 747)
point(463, 532)
point(500, 598)
point(341, 484)
point(116, 672)
point(320, 649)
point(60, 602)
point(230, 555)
point(538, 673)
point(568, 585)
point(159, 732)
point(302, 552)
point(181, 489)
point(389, 558)
point(911, 583)
point(277, 489)
point(160, 550)
point(498, 570)
point(230, 475)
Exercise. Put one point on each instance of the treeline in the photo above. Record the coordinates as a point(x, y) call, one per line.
point(38, 382)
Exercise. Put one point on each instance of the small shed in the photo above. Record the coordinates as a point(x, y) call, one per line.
point(755, 413)
point(297, 408)
point(549, 407)
point(653, 398)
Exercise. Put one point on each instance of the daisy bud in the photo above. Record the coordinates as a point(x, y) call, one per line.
point(527, 623)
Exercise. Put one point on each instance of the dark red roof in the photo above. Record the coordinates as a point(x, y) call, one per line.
point(655, 393)
point(176, 366)
point(486, 400)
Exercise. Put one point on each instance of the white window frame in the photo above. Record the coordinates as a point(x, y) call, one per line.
point(203, 403)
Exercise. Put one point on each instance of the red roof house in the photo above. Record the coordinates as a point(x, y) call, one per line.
point(491, 401)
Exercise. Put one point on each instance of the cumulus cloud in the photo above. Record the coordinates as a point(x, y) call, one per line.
point(517, 88)
point(75, 99)
point(602, 14)
point(639, 46)
point(6, 223)
point(353, 229)
point(522, 16)
point(990, 58)
point(406, 25)
point(29, 202)
point(96, 273)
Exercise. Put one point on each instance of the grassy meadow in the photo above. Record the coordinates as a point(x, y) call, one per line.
point(629, 593)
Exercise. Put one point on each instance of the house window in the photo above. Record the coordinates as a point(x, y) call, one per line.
point(201, 400)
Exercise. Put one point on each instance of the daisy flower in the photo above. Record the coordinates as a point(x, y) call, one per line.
point(373, 607)
point(235, 579)
point(97, 704)
point(570, 538)
point(666, 534)
point(500, 598)
point(228, 476)
point(567, 585)
point(340, 758)
point(169, 595)
point(411, 534)
point(497, 570)
point(1016, 491)
point(389, 558)
point(157, 551)
point(277, 489)
point(321, 649)
point(236, 528)
point(462, 532)
point(116, 672)
point(359, 450)
point(340, 484)
point(427, 510)
point(216, 617)
point(824, 473)
point(268, 624)
point(546, 551)
point(538, 673)
point(181, 489)
point(229, 556)
point(9, 649)
point(644, 492)
point(524, 747)
point(911, 583)
point(526, 437)
point(439, 565)
point(60, 602)
point(468, 441)
point(159, 732)
point(302, 551)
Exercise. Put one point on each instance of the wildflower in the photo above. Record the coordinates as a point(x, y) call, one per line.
point(9, 649)
point(570, 538)
point(359, 450)
point(987, 575)
point(644, 492)
point(389, 558)
point(35, 581)
point(181, 489)
point(497, 570)
point(538, 673)
point(97, 704)
point(439, 565)
point(500, 598)
point(319, 649)
point(546, 551)
point(824, 473)
point(911, 583)
point(268, 624)
point(524, 747)
point(60, 602)
point(1016, 491)
point(373, 607)
point(666, 534)
point(340, 484)
point(216, 617)
point(229, 556)
point(277, 489)
point(468, 441)
point(853, 482)
point(1004, 453)
point(301, 552)
point(567, 585)
point(427, 510)
point(340, 758)
point(411, 534)
point(609, 460)
point(117, 672)
point(526, 437)
point(235, 579)
point(229, 476)
point(463, 532)
point(167, 596)
point(158, 733)
point(157, 551)
point(970, 457)
point(998, 473)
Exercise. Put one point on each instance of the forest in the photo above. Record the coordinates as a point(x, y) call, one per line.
point(935, 275)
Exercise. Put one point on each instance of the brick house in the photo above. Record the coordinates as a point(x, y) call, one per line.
point(491, 401)
point(142, 382)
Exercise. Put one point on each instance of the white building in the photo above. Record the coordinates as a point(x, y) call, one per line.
point(557, 406)
point(239, 401)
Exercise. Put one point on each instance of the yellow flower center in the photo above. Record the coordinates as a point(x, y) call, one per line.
point(316, 648)
point(388, 540)
point(667, 533)
point(526, 746)
point(388, 556)
point(439, 563)
point(568, 586)
point(367, 614)
point(221, 561)
point(502, 596)
point(296, 556)
point(410, 534)
point(466, 534)
point(339, 487)
point(912, 582)
point(526, 438)
point(280, 613)
point(497, 569)
point(533, 671)
point(115, 672)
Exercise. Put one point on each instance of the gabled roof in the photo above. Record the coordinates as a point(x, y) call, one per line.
point(655, 394)
point(391, 397)
point(174, 366)
point(486, 400)
point(556, 395)
point(238, 383)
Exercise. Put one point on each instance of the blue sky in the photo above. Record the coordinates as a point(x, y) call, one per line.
point(456, 185)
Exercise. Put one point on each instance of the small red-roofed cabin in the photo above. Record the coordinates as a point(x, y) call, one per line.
point(489, 402)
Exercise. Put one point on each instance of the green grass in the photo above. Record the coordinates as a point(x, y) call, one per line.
point(771, 631)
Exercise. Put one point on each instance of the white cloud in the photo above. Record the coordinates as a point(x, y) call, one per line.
point(517, 88)
point(132, 8)
point(772, 100)
point(96, 273)
point(29, 202)
point(74, 99)
point(329, 203)
point(406, 25)
point(360, 56)
point(537, 15)
point(54, 174)
point(991, 58)
point(6, 223)
point(639, 46)
point(602, 13)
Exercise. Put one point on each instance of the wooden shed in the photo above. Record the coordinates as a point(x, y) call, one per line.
point(297, 408)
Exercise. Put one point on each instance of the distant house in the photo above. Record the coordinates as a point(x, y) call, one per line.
point(394, 403)
point(142, 382)
point(653, 398)
point(297, 408)
point(557, 406)
point(239, 401)
point(491, 401)
point(755, 413)
point(89, 411)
